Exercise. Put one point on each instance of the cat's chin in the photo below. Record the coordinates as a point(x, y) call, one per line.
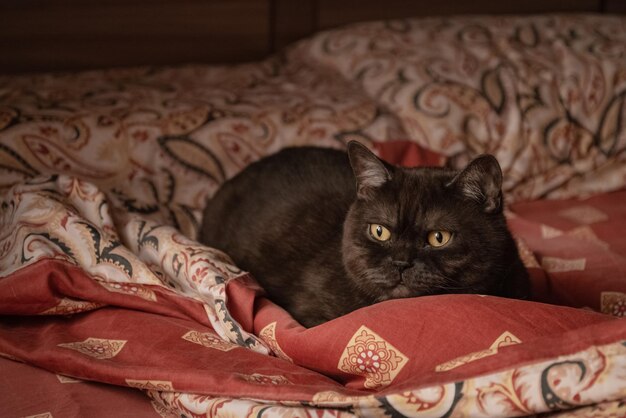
point(383, 287)
point(397, 292)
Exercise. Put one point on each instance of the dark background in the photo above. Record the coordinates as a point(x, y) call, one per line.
point(44, 35)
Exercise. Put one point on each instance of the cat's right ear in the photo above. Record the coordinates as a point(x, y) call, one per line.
point(481, 181)
point(369, 170)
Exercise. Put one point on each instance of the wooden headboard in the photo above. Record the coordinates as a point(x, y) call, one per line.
point(51, 35)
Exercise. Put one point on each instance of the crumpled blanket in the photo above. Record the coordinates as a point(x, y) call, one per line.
point(98, 295)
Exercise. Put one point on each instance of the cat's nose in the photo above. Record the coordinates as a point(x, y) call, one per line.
point(401, 265)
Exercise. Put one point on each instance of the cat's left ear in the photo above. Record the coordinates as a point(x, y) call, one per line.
point(481, 181)
point(369, 170)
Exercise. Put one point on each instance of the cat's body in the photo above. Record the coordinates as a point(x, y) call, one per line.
point(325, 233)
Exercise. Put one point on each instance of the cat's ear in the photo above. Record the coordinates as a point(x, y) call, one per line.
point(481, 181)
point(369, 170)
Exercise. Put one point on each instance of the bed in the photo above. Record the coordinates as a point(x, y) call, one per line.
point(110, 307)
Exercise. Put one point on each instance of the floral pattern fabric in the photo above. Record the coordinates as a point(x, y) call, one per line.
point(544, 94)
point(104, 291)
point(195, 333)
point(160, 141)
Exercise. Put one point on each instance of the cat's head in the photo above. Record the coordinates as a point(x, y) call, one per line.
point(421, 231)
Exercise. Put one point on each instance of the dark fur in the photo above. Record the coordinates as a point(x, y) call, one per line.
point(298, 221)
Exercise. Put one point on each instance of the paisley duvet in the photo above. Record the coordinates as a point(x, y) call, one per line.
point(109, 307)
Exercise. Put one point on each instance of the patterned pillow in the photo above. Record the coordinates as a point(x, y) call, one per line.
point(159, 141)
point(545, 94)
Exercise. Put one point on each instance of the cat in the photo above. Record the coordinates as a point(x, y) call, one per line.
point(326, 232)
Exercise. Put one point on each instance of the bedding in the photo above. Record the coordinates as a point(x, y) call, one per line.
point(544, 94)
point(110, 307)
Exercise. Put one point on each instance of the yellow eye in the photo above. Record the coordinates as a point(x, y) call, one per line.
point(379, 232)
point(438, 238)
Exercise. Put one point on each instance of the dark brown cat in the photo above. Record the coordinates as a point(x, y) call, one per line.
point(325, 232)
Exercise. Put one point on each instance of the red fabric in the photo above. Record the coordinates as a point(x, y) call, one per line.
point(155, 349)
point(407, 154)
point(440, 328)
point(431, 330)
point(580, 249)
point(35, 392)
